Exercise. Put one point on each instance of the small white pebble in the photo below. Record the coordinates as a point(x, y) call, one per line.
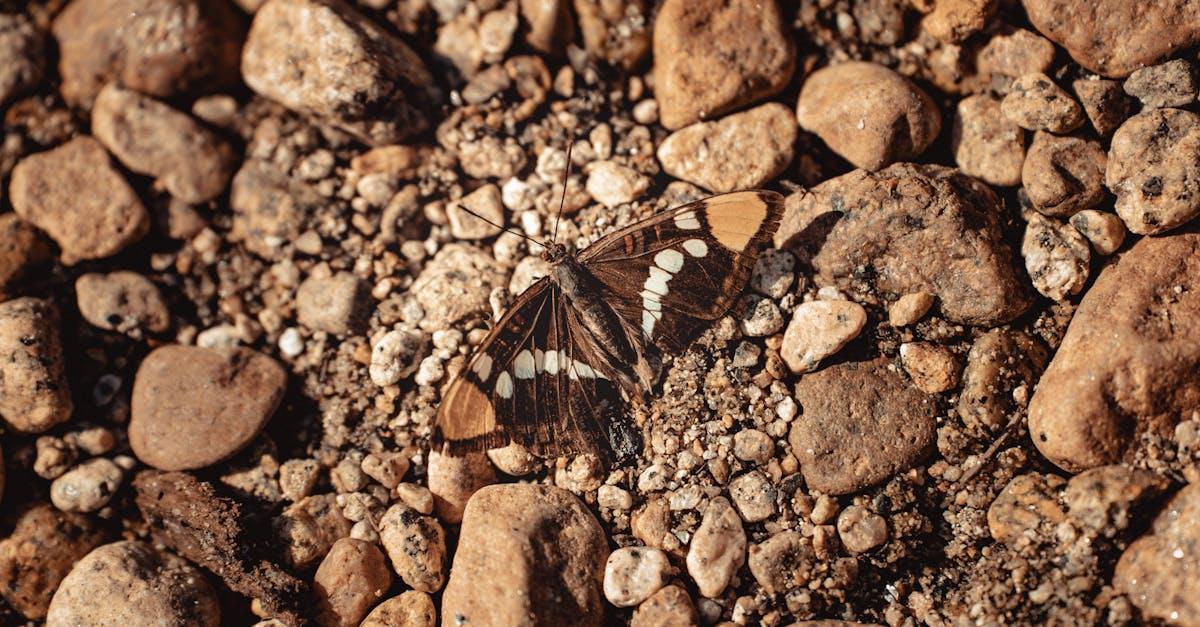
point(291, 343)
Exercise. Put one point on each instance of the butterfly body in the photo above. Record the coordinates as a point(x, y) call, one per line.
point(550, 373)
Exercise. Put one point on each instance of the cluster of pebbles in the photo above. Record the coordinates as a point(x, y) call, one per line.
point(238, 266)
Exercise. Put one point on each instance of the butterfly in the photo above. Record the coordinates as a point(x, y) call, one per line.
point(549, 374)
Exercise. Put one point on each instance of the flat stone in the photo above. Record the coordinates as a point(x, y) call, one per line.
point(1035, 103)
point(819, 329)
point(193, 407)
point(740, 151)
point(1064, 175)
point(338, 304)
point(1105, 103)
point(1170, 84)
point(126, 302)
point(1154, 169)
point(34, 394)
point(1000, 362)
point(717, 549)
point(512, 536)
point(1028, 507)
point(711, 57)
point(862, 423)
point(1158, 571)
point(868, 114)
point(351, 578)
point(1130, 361)
point(44, 545)
point(988, 145)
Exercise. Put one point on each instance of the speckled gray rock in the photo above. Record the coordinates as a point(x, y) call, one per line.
point(34, 395)
point(1036, 103)
point(1057, 257)
point(455, 286)
point(1170, 84)
point(986, 144)
point(1154, 169)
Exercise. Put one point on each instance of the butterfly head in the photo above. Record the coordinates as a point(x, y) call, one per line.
point(553, 252)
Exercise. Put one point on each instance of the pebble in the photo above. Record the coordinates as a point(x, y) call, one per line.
point(613, 497)
point(718, 548)
point(309, 528)
point(1037, 104)
point(516, 534)
point(868, 114)
point(1028, 506)
point(387, 468)
point(669, 607)
point(1154, 170)
point(416, 496)
point(953, 21)
point(1115, 37)
point(909, 309)
point(753, 496)
point(270, 208)
point(1057, 257)
point(416, 545)
point(45, 543)
point(193, 407)
point(634, 573)
point(612, 184)
point(22, 248)
point(783, 562)
point(1170, 84)
point(774, 273)
point(133, 584)
point(412, 608)
point(514, 460)
point(1087, 407)
point(1000, 362)
point(615, 32)
point(291, 343)
point(298, 477)
point(152, 138)
point(351, 578)
point(988, 145)
point(396, 355)
point(455, 285)
point(550, 27)
point(338, 304)
point(34, 393)
point(1105, 103)
point(1107, 499)
point(752, 445)
point(1015, 52)
point(161, 48)
point(122, 301)
point(861, 529)
point(1064, 175)
point(1105, 231)
point(79, 199)
point(87, 487)
point(1158, 571)
point(761, 318)
point(454, 479)
point(911, 228)
point(486, 203)
point(862, 423)
point(712, 57)
point(378, 90)
point(819, 329)
point(743, 150)
point(933, 368)
point(23, 47)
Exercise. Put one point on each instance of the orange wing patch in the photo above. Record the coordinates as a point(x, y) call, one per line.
point(734, 219)
point(466, 412)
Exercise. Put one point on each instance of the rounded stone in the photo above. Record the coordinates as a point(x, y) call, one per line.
point(453, 480)
point(634, 573)
point(819, 329)
point(1064, 175)
point(408, 609)
point(1154, 169)
point(351, 578)
point(742, 150)
point(44, 545)
point(122, 301)
point(1036, 103)
point(861, 529)
point(34, 395)
point(717, 549)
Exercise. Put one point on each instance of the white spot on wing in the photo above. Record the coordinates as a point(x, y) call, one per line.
point(657, 281)
point(670, 260)
point(651, 304)
point(551, 364)
point(696, 247)
point(648, 321)
point(523, 365)
point(504, 385)
point(687, 221)
point(584, 370)
point(483, 367)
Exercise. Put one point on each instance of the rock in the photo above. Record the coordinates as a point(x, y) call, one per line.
point(514, 459)
point(953, 21)
point(1154, 169)
point(126, 302)
point(1057, 257)
point(1064, 175)
point(44, 545)
point(905, 229)
point(752, 445)
point(87, 487)
point(909, 309)
point(1026, 508)
point(1015, 52)
point(34, 395)
point(819, 329)
point(612, 184)
point(1129, 361)
point(309, 528)
point(22, 248)
point(740, 151)
point(338, 304)
point(861, 529)
point(193, 407)
point(325, 59)
point(78, 198)
point(387, 468)
point(1105, 103)
point(408, 609)
point(1170, 84)
point(455, 285)
point(351, 578)
point(131, 583)
point(550, 24)
point(718, 548)
point(416, 545)
point(1037, 104)
point(149, 137)
point(24, 51)
point(868, 114)
point(861, 424)
point(1105, 231)
point(270, 208)
point(1000, 363)
point(988, 145)
point(397, 355)
point(454, 479)
point(774, 273)
point(1158, 570)
point(633, 574)
point(669, 607)
point(298, 477)
point(512, 536)
point(1103, 500)
point(159, 48)
point(713, 57)
point(762, 317)
point(615, 32)
point(753, 496)
point(1115, 37)
point(932, 368)
point(783, 562)
point(485, 203)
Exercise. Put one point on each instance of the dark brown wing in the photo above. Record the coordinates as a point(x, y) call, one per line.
point(674, 273)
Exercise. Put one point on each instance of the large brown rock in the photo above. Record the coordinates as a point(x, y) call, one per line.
point(862, 422)
point(527, 555)
point(193, 407)
point(909, 228)
point(1130, 361)
point(1116, 37)
point(1158, 571)
point(34, 395)
point(714, 56)
point(43, 547)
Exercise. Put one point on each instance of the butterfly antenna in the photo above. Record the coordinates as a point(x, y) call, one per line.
point(500, 226)
point(563, 201)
